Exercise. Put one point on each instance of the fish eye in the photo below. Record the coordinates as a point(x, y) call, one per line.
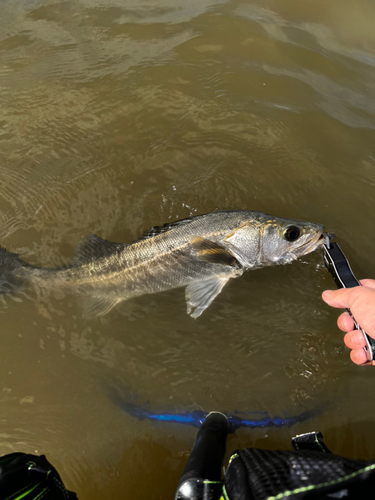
point(292, 233)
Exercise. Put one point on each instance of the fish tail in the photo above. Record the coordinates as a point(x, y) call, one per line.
point(10, 263)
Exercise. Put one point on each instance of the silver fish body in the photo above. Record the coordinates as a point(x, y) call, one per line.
point(201, 253)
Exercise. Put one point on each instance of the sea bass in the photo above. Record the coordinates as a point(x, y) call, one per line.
point(202, 253)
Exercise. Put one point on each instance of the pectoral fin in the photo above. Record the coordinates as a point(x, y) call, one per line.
point(210, 251)
point(200, 294)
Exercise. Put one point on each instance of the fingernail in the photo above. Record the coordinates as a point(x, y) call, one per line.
point(357, 338)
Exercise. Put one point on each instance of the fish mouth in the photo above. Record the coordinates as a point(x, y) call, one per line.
point(321, 238)
point(327, 238)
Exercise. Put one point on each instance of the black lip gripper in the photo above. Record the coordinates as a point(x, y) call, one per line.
point(338, 266)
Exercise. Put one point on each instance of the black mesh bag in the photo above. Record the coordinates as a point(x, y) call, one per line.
point(310, 471)
point(30, 477)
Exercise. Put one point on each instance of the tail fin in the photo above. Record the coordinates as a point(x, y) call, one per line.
point(9, 264)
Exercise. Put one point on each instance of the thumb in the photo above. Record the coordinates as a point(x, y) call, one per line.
point(341, 298)
point(368, 283)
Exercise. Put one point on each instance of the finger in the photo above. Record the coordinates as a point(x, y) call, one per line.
point(355, 340)
point(368, 283)
point(358, 356)
point(341, 298)
point(345, 322)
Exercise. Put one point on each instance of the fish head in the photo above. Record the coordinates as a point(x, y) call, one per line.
point(284, 240)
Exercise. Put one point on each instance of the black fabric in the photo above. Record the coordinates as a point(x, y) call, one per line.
point(312, 441)
point(30, 477)
point(261, 474)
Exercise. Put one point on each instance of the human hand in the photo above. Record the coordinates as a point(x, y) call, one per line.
point(361, 302)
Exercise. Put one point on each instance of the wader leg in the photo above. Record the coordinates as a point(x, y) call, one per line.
point(201, 478)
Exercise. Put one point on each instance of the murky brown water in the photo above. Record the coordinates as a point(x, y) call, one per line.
point(117, 116)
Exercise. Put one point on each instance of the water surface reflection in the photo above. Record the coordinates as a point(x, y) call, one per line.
point(119, 116)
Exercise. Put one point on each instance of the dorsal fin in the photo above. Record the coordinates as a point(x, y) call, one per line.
point(155, 230)
point(93, 248)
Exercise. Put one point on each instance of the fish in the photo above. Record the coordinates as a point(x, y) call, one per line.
point(201, 253)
